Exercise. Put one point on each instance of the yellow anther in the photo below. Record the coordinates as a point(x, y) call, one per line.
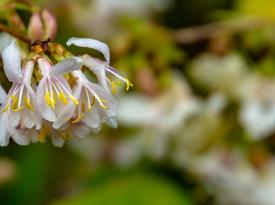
point(103, 100)
point(62, 97)
point(78, 118)
point(28, 103)
point(18, 109)
point(104, 106)
point(75, 101)
point(128, 84)
point(49, 100)
point(6, 107)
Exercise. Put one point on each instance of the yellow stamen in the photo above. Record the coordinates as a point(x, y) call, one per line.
point(6, 107)
point(104, 106)
point(28, 103)
point(75, 101)
point(78, 118)
point(49, 100)
point(62, 97)
point(14, 106)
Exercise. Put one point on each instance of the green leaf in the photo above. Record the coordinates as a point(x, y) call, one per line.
point(134, 190)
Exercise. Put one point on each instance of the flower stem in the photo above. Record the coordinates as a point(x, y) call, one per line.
point(15, 34)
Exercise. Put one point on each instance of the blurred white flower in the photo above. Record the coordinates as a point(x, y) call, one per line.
point(257, 113)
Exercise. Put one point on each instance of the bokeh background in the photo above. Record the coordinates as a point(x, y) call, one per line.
point(198, 128)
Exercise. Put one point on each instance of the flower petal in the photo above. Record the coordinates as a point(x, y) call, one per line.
point(46, 112)
point(4, 136)
point(91, 43)
point(66, 66)
point(3, 95)
point(12, 62)
point(19, 136)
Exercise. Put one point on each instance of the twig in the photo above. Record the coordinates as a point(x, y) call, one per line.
point(211, 30)
point(15, 34)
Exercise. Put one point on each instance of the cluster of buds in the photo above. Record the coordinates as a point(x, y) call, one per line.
point(56, 94)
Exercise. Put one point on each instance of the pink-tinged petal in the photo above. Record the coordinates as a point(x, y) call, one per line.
point(46, 111)
point(66, 66)
point(91, 43)
point(3, 95)
point(50, 25)
point(35, 28)
point(12, 62)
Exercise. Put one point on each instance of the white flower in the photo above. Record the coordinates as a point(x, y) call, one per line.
point(257, 113)
point(95, 105)
point(20, 104)
point(107, 76)
point(53, 91)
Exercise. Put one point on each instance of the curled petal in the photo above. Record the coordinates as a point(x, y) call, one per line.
point(91, 43)
point(98, 68)
point(66, 66)
point(12, 62)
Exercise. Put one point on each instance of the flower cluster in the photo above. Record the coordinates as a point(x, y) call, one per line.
point(54, 98)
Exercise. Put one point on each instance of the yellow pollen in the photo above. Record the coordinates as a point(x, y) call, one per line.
point(62, 97)
point(6, 107)
point(28, 103)
point(49, 100)
point(75, 101)
point(78, 118)
point(128, 84)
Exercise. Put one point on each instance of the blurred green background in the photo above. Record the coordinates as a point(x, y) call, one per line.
point(198, 128)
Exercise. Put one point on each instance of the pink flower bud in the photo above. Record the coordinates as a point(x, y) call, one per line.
point(35, 28)
point(50, 25)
